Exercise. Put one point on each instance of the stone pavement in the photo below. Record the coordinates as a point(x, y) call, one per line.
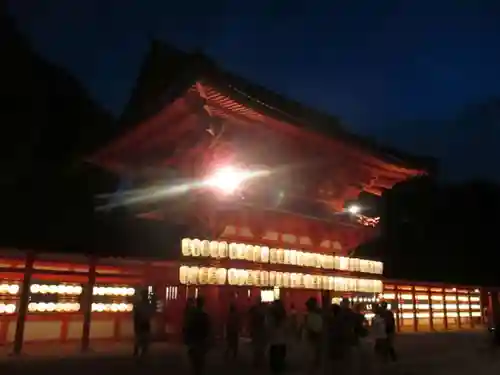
point(425, 353)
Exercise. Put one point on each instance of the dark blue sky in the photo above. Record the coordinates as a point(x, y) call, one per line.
point(403, 71)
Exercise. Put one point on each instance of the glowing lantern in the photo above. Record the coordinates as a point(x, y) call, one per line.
point(286, 257)
point(264, 278)
point(221, 276)
point(355, 265)
point(256, 278)
point(196, 249)
point(257, 254)
point(329, 262)
point(183, 274)
point(193, 275)
point(319, 260)
point(214, 249)
point(279, 279)
point(264, 254)
point(324, 282)
point(272, 278)
point(308, 281)
point(212, 275)
point(286, 280)
point(205, 248)
point(273, 256)
point(233, 250)
point(203, 276)
point(242, 277)
point(223, 250)
point(240, 250)
point(249, 253)
point(293, 257)
point(300, 260)
point(280, 256)
point(343, 263)
point(232, 276)
point(186, 247)
point(250, 279)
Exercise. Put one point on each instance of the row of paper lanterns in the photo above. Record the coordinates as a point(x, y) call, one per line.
point(263, 254)
point(241, 277)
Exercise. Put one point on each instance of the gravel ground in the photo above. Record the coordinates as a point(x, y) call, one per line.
point(427, 354)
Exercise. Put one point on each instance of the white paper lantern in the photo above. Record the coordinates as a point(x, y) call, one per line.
point(308, 281)
point(249, 253)
point(293, 257)
point(233, 250)
point(264, 257)
point(203, 276)
point(264, 278)
point(343, 263)
point(319, 260)
point(242, 277)
point(196, 249)
point(212, 276)
point(257, 254)
point(363, 265)
point(205, 248)
point(183, 274)
point(300, 260)
point(280, 256)
point(223, 250)
point(240, 249)
point(286, 280)
point(273, 256)
point(232, 276)
point(324, 283)
point(272, 278)
point(214, 249)
point(186, 247)
point(193, 275)
point(279, 279)
point(286, 256)
point(221, 276)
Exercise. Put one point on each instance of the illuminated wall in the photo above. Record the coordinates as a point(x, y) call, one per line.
point(65, 298)
point(424, 308)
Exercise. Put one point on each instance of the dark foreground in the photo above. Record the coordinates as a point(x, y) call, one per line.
point(439, 353)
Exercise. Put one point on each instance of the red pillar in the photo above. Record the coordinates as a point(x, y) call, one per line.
point(23, 302)
point(87, 304)
point(431, 312)
point(457, 302)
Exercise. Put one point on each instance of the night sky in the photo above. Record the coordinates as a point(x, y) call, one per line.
point(420, 75)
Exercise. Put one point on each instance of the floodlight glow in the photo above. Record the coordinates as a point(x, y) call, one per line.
point(354, 209)
point(227, 179)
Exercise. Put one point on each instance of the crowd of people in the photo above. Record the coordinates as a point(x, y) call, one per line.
point(339, 337)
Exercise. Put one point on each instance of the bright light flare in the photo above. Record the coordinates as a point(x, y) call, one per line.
point(227, 179)
point(354, 209)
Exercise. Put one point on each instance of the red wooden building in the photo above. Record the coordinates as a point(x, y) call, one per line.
point(267, 190)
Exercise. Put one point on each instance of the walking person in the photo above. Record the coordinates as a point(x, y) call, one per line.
point(362, 347)
point(232, 332)
point(380, 338)
point(277, 337)
point(197, 335)
point(313, 326)
point(257, 325)
point(143, 313)
point(390, 326)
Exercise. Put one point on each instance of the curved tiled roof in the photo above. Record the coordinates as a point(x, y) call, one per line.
point(167, 72)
